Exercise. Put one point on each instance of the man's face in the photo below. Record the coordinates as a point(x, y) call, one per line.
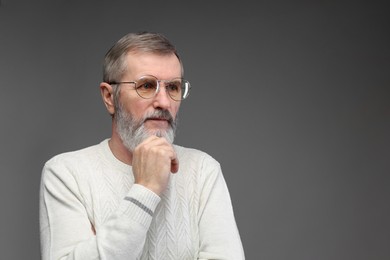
point(137, 118)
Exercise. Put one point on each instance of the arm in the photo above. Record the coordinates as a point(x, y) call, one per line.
point(219, 236)
point(66, 231)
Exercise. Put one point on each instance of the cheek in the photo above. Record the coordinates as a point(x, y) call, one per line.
point(133, 107)
point(139, 111)
point(175, 109)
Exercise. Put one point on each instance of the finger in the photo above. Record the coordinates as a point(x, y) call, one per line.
point(149, 142)
point(169, 151)
point(150, 139)
point(175, 165)
point(156, 139)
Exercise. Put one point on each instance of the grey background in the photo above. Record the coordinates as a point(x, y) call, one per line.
point(291, 97)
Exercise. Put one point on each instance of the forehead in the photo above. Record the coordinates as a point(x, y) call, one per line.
point(162, 66)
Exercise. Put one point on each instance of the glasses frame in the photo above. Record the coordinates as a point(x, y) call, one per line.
point(185, 82)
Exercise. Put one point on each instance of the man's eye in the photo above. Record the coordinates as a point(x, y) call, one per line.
point(147, 86)
point(173, 87)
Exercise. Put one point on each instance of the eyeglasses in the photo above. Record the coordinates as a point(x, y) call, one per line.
point(148, 87)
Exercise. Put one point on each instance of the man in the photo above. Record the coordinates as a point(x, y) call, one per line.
point(136, 195)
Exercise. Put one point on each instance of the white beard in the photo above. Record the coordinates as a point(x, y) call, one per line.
point(133, 131)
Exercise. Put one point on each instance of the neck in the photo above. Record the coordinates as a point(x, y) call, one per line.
point(118, 149)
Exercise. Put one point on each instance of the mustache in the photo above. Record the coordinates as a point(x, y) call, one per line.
point(159, 114)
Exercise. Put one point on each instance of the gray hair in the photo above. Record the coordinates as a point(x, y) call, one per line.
point(114, 65)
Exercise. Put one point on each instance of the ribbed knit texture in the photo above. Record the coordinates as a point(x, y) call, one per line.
point(193, 219)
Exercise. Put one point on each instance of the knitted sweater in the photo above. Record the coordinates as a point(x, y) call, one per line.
point(90, 208)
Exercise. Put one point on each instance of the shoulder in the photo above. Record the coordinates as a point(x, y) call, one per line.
point(196, 159)
point(73, 157)
point(194, 154)
point(70, 165)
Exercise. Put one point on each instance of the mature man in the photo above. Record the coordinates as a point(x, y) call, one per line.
point(136, 195)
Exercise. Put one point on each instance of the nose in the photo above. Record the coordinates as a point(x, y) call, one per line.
point(162, 99)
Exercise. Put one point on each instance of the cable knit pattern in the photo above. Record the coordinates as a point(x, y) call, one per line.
point(84, 213)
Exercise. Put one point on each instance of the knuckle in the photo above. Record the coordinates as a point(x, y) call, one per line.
point(161, 152)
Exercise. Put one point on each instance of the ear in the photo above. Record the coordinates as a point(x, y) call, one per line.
point(108, 97)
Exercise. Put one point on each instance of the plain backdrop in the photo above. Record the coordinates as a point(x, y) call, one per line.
point(291, 97)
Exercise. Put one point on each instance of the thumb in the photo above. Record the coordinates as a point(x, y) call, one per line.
point(174, 165)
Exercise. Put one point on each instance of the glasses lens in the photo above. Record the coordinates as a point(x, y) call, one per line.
point(174, 88)
point(178, 89)
point(146, 87)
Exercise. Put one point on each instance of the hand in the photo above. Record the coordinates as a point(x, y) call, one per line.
point(153, 162)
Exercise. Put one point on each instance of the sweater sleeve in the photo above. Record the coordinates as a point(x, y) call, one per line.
point(219, 236)
point(66, 231)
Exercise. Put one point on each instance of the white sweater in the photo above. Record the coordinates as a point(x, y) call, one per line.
point(90, 208)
